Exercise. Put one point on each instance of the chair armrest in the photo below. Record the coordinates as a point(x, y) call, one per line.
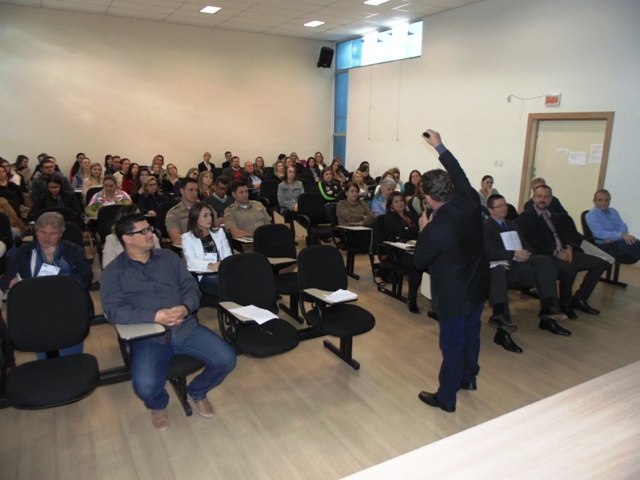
point(303, 220)
point(136, 331)
point(321, 296)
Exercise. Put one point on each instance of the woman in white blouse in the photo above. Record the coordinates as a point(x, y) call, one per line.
point(204, 246)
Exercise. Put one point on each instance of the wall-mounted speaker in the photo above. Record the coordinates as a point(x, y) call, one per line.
point(325, 58)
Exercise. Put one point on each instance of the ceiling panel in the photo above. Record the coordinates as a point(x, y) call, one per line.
point(344, 18)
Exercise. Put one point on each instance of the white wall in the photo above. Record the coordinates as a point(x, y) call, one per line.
point(475, 56)
point(75, 82)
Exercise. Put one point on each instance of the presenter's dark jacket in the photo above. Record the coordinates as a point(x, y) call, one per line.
point(451, 248)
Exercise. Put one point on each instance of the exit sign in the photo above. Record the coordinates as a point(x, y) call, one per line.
point(552, 100)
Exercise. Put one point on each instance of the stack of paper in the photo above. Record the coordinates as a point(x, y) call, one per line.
point(251, 312)
point(341, 296)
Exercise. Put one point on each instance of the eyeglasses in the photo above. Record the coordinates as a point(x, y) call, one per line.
point(142, 231)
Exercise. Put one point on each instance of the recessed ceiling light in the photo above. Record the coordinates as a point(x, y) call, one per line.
point(375, 2)
point(210, 9)
point(315, 23)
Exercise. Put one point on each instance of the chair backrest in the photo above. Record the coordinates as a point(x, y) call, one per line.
point(161, 217)
point(73, 234)
point(90, 193)
point(269, 190)
point(106, 217)
point(312, 205)
point(332, 214)
point(586, 231)
point(47, 313)
point(274, 240)
point(248, 279)
point(322, 266)
point(512, 213)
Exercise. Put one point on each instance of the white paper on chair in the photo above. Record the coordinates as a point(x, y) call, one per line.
point(251, 312)
point(341, 296)
point(511, 240)
point(590, 249)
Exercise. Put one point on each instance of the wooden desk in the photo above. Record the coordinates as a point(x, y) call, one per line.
point(589, 431)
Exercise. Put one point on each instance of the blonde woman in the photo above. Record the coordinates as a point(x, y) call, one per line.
point(84, 172)
point(205, 184)
point(93, 180)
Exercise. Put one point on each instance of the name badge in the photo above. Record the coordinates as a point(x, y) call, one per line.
point(48, 270)
point(211, 257)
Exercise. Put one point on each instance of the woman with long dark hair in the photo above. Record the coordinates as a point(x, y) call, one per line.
point(204, 246)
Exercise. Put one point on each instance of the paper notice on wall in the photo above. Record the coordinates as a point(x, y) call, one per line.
point(578, 158)
point(596, 153)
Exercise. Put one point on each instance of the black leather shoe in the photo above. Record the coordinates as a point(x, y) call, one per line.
point(553, 327)
point(468, 385)
point(413, 308)
point(553, 314)
point(583, 306)
point(431, 400)
point(500, 321)
point(504, 339)
point(568, 311)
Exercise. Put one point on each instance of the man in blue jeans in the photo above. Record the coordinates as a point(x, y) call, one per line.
point(145, 285)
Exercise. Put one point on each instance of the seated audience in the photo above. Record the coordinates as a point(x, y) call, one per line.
point(609, 231)
point(339, 173)
point(147, 285)
point(259, 168)
point(204, 246)
point(56, 197)
point(363, 191)
point(93, 180)
point(49, 254)
point(205, 185)
point(252, 180)
point(191, 173)
point(328, 187)
point(205, 165)
point(233, 172)
point(486, 189)
point(414, 197)
point(401, 225)
point(8, 189)
point(379, 202)
point(313, 170)
point(288, 192)
point(129, 178)
point(83, 173)
point(279, 170)
point(243, 216)
point(220, 200)
point(170, 181)
point(555, 235)
point(517, 267)
point(141, 176)
point(109, 195)
point(150, 199)
point(112, 246)
point(39, 183)
point(554, 207)
point(178, 216)
point(21, 167)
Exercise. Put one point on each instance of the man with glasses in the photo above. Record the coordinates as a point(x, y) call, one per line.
point(512, 263)
point(147, 285)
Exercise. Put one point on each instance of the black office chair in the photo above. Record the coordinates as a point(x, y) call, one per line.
point(312, 215)
point(269, 191)
point(72, 233)
point(276, 240)
point(256, 288)
point(612, 274)
point(6, 236)
point(388, 268)
point(68, 214)
point(161, 221)
point(104, 224)
point(46, 314)
point(322, 267)
point(90, 193)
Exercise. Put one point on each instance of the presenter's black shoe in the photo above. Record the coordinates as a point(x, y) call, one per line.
point(468, 385)
point(583, 306)
point(431, 400)
point(413, 308)
point(553, 327)
point(498, 320)
point(569, 312)
point(503, 339)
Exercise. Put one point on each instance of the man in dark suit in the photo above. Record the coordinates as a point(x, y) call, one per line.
point(450, 247)
point(554, 207)
point(514, 264)
point(556, 236)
